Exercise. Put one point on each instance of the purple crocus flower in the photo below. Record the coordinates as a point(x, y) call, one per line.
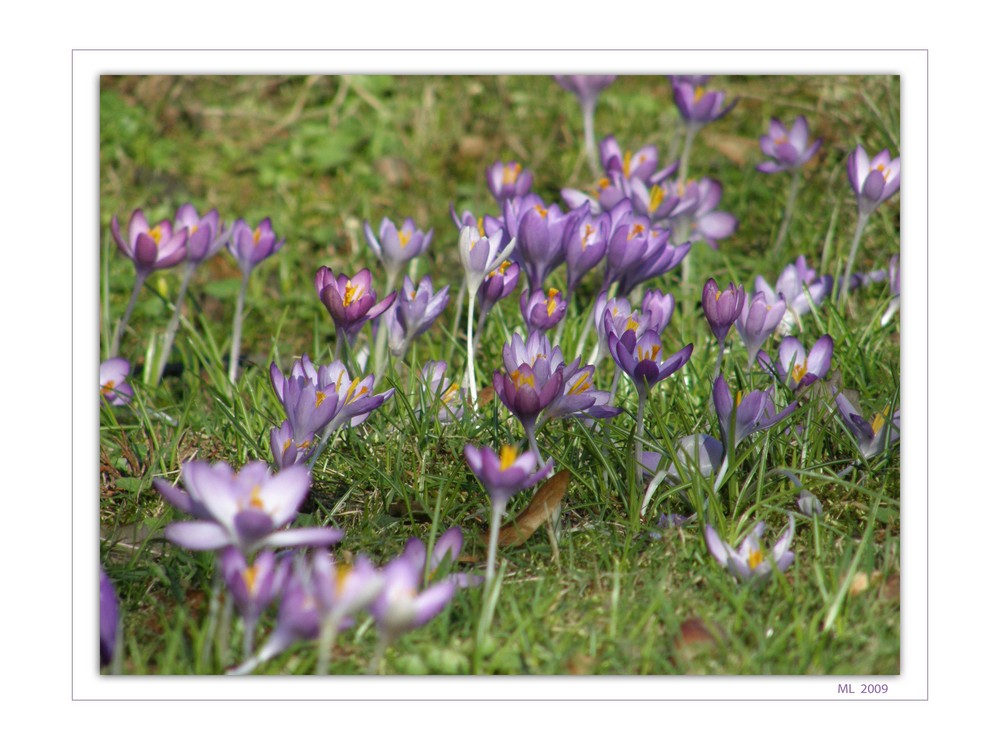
point(788, 148)
point(442, 393)
point(660, 257)
point(871, 436)
point(289, 448)
point(414, 312)
point(585, 244)
point(481, 254)
point(796, 369)
point(659, 307)
point(508, 180)
point(799, 286)
point(698, 106)
point(499, 283)
point(752, 411)
point(150, 248)
point(206, 235)
point(253, 587)
point(696, 453)
point(108, 613)
point(397, 247)
point(503, 476)
point(639, 358)
point(873, 180)
point(114, 390)
point(527, 388)
point(722, 308)
point(640, 165)
point(708, 224)
point(542, 311)
point(309, 406)
point(539, 248)
point(751, 562)
point(351, 301)
point(585, 88)
point(247, 510)
point(758, 321)
point(251, 246)
point(402, 605)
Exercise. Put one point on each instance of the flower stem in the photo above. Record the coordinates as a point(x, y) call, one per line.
point(326, 638)
point(639, 432)
point(590, 143)
point(234, 352)
point(786, 221)
point(845, 280)
point(529, 431)
point(491, 554)
point(471, 354)
point(175, 321)
point(140, 279)
point(682, 172)
point(376, 662)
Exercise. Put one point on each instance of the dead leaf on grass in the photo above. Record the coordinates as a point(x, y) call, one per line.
point(486, 395)
point(546, 504)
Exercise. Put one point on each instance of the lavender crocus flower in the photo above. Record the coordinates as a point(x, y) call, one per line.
point(249, 247)
point(108, 613)
point(503, 476)
point(253, 587)
point(796, 369)
point(539, 249)
point(527, 389)
point(149, 249)
point(542, 311)
point(442, 393)
point(871, 436)
point(722, 308)
point(586, 90)
point(246, 510)
point(414, 312)
point(639, 358)
point(752, 411)
point(659, 308)
point(396, 247)
point(800, 287)
point(585, 244)
point(351, 302)
point(707, 224)
point(758, 321)
point(698, 106)
point(508, 180)
point(787, 148)
point(751, 562)
point(114, 390)
point(289, 448)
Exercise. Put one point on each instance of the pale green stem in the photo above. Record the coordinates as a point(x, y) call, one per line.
point(168, 342)
point(140, 279)
point(846, 278)
point(376, 662)
point(249, 626)
point(471, 354)
point(786, 221)
point(327, 636)
point(590, 142)
point(491, 554)
point(639, 432)
point(529, 431)
point(234, 352)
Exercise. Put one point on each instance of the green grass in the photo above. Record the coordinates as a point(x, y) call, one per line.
point(322, 155)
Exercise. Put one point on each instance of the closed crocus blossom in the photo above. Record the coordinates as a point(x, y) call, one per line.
point(800, 287)
point(252, 586)
point(403, 604)
point(503, 476)
point(481, 254)
point(659, 307)
point(873, 180)
point(499, 283)
point(751, 561)
point(750, 412)
point(697, 105)
point(114, 390)
point(758, 321)
point(247, 510)
point(787, 148)
point(206, 235)
point(585, 243)
point(871, 436)
point(508, 180)
point(539, 249)
point(722, 308)
point(108, 613)
point(397, 247)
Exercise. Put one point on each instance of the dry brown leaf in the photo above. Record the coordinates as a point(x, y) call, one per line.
point(694, 632)
point(544, 505)
point(739, 149)
point(890, 589)
point(859, 584)
point(486, 395)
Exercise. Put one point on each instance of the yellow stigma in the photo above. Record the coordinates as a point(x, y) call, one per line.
point(699, 91)
point(636, 230)
point(718, 293)
point(499, 270)
point(449, 395)
point(627, 163)
point(631, 324)
point(156, 233)
point(588, 232)
point(603, 184)
point(581, 386)
point(351, 292)
point(780, 140)
point(739, 397)
point(287, 444)
point(543, 212)
point(341, 574)
point(320, 398)
point(107, 388)
point(351, 396)
point(255, 499)
point(250, 579)
point(404, 237)
point(256, 235)
point(754, 559)
point(655, 198)
point(651, 353)
point(799, 372)
point(510, 174)
point(508, 455)
point(550, 306)
point(521, 380)
point(878, 421)
point(304, 445)
point(479, 225)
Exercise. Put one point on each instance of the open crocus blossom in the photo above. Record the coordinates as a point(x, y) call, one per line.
point(788, 148)
point(508, 180)
point(150, 248)
point(250, 246)
point(758, 320)
point(253, 587)
point(413, 313)
point(247, 510)
point(114, 390)
point(206, 235)
point(542, 311)
point(351, 301)
point(752, 411)
point(800, 286)
point(750, 561)
point(698, 106)
point(871, 436)
point(503, 476)
point(397, 247)
point(527, 389)
point(796, 369)
point(108, 611)
point(640, 359)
